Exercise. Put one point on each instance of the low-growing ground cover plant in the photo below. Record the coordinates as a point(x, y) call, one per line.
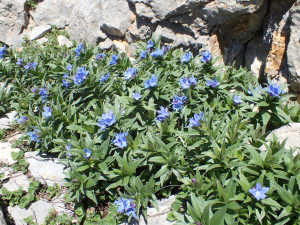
point(168, 122)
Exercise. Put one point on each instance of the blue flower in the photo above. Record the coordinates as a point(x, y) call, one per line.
point(107, 120)
point(20, 62)
point(66, 83)
point(132, 210)
point(87, 153)
point(130, 73)
point(69, 146)
point(81, 75)
point(34, 90)
point(185, 83)
point(150, 45)
point(23, 119)
point(275, 90)
point(124, 204)
point(30, 66)
point(178, 102)
point(195, 122)
point(186, 57)
point(114, 60)
point(78, 49)
point(259, 192)
point(136, 96)
point(33, 65)
point(69, 67)
point(158, 53)
point(2, 51)
point(193, 80)
point(152, 82)
point(143, 55)
point(33, 135)
point(237, 99)
point(163, 113)
point(44, 93)
point(104, 78)
point(165, 49)
point(120, 140)
point(214, 83)
point(206, 57)
point(100, 56)
point(47, 112)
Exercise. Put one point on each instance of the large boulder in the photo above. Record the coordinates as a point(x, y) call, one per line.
point(293, 50)
point(85, 21)
point(266, 52)
point(116, 17)
point(13, 19)
point(158, 10)
point(53, 12)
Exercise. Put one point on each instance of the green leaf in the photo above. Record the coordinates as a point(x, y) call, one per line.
point(218, 217)
point(91, 195)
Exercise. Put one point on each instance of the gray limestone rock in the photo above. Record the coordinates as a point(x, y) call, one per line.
point(53, 12)
point(266, 53)
point(158, 10)
point(39, 32)
point(116, 17)
point(85, 21)
point(15, 181)
point(293, 50)
point(2, 220)
point(13, 19)
point(45, 168)
point(39, 210)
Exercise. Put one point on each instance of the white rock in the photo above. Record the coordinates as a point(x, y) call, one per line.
point(7, 172)
point(17, 180)
point(62, 40)
point(5, 153)
point(120, 46)
point(16, 136)
point(107, 44)
point(45, 168)
point(5, 121)
point(42, 40)
point(39, 210)
point(59, 206)
point(291, 132)
point(39, 32)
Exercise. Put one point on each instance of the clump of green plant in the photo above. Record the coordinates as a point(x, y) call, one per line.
point(54, 190)
point(19, 197)
point(29, 220)
point(32, 3)
point(168, 122)
point(21, 164)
